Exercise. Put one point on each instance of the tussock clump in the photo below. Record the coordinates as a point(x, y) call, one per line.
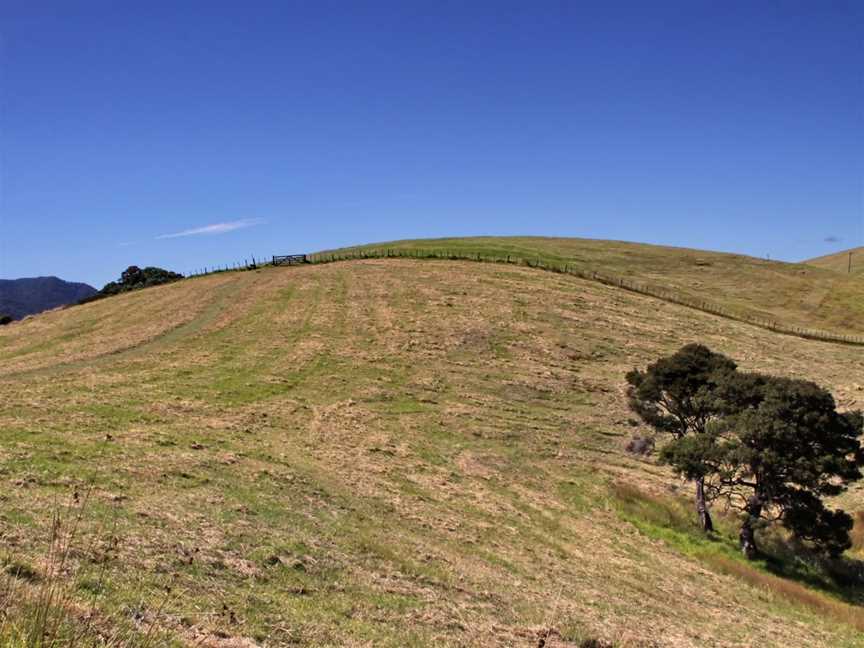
point(640, 445)
point(594, 643)
point(42, 609)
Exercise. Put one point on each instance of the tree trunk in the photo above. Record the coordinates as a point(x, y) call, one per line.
point(702, 508)
point(747, 536)
point(748, 539)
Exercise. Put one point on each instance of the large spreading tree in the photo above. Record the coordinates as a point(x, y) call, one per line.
point(771, 447)
point(781, 448)
point(678, 396)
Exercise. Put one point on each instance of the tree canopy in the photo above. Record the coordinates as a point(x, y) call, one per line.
point(769, 446)
point(783, 448)
point(133, 278)
point(679, 395)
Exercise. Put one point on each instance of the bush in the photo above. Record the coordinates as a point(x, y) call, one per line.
point(134, 278)
point(640, 445)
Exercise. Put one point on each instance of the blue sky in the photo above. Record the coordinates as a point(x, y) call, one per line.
point(195, 133)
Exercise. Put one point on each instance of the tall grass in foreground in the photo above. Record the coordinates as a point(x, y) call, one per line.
point(791, 591)
point(39, 607)
point(670, 520)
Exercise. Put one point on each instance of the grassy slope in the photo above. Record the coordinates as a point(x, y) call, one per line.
point(839, 262)
point(385, 452)
point(796, 294)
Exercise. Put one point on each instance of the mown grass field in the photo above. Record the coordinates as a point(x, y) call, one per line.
point(386, 453)
point(796, 294)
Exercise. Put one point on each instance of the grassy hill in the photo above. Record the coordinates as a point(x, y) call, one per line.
point(392, 452)
point(839, 262)
point(798, 295)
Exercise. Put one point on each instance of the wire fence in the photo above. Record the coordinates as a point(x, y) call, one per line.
point(592, 275)
point(252, 263)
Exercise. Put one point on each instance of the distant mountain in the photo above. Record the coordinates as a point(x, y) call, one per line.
point(22, 297)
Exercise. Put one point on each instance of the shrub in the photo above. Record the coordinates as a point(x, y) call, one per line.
point(134, 278)
point(640, 445)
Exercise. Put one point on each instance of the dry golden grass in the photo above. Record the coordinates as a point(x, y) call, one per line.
point(791, 591)
point(109, 326)
point(795, 294)
point(839, 261)
point(666, 514)
point(385, 452)
point(40, 607)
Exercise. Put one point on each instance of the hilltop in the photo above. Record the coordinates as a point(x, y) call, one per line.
point(22, 297)
point(796, 294)
point(839, 261)
point(399, 452)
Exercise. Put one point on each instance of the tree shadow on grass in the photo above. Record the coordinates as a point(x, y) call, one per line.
point(784, 566)
point(841, 577)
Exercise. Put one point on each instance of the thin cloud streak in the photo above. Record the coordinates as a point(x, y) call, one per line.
point(215, 228)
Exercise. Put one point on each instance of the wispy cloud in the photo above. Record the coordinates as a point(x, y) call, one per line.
point(832, 239)
point(216, 228)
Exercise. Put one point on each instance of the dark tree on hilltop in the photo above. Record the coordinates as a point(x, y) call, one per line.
point(5, 319)
point(781, 449)
point(133, 278)
point(678, 395)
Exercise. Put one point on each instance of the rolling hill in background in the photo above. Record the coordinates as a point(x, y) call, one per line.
point(796, 294)
point(839, 261)
point(22, 297)
point(397, 452)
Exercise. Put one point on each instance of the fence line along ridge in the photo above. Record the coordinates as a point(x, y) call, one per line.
point(592, 275)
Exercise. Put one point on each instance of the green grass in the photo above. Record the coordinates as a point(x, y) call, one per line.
point(806, 296)
point(338, 453)
point(787, 572)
